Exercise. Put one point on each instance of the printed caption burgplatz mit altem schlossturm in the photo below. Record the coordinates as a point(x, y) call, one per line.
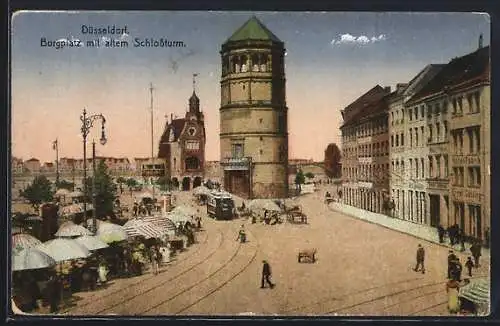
point(110, 36)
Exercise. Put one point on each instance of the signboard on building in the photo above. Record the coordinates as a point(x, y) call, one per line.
point(368, 185)
point(236, 164)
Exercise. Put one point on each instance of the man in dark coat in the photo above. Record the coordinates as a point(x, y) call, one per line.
point(420, 259)
point(53, 292)
point(440, 230)
point(451, 260)
point(475, 249)
point(266, 273)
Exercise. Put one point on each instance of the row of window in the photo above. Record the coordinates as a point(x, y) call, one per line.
point(418, 112)
point(366, 129)
point(436, 133)
point(472, 138)
point(369, 172)
point(473, 176)
point(437, 167)
point(368, 150)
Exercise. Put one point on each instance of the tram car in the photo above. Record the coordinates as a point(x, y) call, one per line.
point(220, 206)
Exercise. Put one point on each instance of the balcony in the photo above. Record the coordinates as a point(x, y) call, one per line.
point(236, 163)
point(467, 195)
point(465, 160)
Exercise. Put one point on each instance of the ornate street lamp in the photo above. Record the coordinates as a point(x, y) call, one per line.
point(87, 123)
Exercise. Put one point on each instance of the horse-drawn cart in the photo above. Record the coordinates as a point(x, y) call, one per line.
point(295, 215)
point(309, 254)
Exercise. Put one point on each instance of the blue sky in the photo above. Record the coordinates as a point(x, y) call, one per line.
point(54, 85)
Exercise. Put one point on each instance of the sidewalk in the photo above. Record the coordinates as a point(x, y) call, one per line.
point(420, 231)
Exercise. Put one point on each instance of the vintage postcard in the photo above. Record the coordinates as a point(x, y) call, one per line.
point(250, 163)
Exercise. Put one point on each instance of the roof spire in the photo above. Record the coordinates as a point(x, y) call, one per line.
point(194, 82)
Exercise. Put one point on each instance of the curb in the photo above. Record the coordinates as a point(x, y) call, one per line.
point(403, 232)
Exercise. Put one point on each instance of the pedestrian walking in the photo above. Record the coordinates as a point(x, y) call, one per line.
point(461, 238)
point(420, 259)
point(266, 274)
point(469, 264)
point(451, 258)
point(456, 272)
point(487, 237)
point(441, 231)
point(154, 261)
point(475, 249)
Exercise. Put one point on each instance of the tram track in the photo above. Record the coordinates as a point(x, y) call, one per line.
point(207, 280)
point(146, 300)
point(396, 293)
point(153, 286)
point(98, 296)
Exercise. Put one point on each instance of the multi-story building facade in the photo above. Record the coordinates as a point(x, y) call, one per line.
point(365, 151)
point(182, 147)
point(116, 165)
point(17, 165)
point(32, 165)
point(253, 114)
point(458, 118)
point(408, 151)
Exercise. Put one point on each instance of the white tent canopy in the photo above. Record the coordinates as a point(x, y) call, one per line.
point(62, 249)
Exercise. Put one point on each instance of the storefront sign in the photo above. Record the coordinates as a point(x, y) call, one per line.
point(467, 195)
point(466, 160)
point(368, 185)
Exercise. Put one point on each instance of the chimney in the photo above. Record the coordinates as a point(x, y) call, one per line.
point(480, 41)
point(171, 117)
point(387, 89)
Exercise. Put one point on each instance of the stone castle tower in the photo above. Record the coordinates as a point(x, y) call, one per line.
point(253, 114)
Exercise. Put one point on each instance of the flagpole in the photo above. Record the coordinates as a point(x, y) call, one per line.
point(56, 144)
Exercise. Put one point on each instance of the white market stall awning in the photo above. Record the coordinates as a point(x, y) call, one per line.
point(477, 291)
point(110, 232)
point(62, 249)
point(69, 229)
point(91, 242)
point(31, 258)
point(24, 241)
point(137, 227)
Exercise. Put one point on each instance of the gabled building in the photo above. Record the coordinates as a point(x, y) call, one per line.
point(182, 147)
point(32, 165)
point(457, 106)
point(365, 151)
point(409, 151)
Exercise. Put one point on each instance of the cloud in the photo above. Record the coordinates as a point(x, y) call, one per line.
point(362, 39)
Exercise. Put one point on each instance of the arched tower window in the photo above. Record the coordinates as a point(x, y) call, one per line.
point(244, 63)
point(236, 64)
point(255, 62)
point(263, 62)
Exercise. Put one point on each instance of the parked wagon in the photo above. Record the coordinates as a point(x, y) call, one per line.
point(309, 254)
point(296, 217)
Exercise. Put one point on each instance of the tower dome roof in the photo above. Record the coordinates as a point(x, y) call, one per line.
point(253, 29)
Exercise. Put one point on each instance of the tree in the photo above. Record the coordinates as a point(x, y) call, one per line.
point(299, 179)
point(121, 180)
point(39, 191)
point(105, 191)
point(309, 175)
point(63, 184)
point(164, 183)
point(332, 161)
point(131, 182)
